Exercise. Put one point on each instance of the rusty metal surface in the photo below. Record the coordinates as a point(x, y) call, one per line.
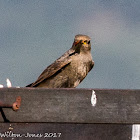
point(72, 105)
point(16, 105)
point(61, 131)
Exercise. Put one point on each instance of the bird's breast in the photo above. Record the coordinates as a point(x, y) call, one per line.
point(80, 64)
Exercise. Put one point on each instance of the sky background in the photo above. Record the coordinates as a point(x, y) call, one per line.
point(34, 33)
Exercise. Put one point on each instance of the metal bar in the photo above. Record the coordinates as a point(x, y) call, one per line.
point(65, 131)
point(15, 106)
point(4, 105)
point(73, 105)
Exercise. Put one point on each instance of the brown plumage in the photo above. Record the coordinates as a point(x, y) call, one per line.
point(70, 69)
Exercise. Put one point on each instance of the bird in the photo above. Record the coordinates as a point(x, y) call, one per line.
point(70, 69)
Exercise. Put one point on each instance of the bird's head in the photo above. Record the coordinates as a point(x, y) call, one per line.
point(81, 44)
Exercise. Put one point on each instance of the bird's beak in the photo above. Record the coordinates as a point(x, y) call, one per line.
point(80, 41)
point(83, 42)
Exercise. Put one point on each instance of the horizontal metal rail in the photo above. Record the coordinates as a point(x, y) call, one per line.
point(73, 105)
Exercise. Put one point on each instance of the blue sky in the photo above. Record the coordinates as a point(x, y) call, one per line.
point(35, 33)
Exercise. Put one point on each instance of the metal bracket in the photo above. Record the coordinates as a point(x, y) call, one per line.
point(15, 106)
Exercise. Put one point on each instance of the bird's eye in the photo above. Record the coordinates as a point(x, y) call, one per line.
point(89, 42)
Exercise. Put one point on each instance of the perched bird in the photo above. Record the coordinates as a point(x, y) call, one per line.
point(70, 69)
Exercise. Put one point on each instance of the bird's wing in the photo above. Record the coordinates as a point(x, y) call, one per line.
point(60, 63)
point(91, 65)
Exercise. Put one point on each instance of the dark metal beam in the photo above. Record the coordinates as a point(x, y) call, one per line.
point(65, 131)
point(72, 105)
